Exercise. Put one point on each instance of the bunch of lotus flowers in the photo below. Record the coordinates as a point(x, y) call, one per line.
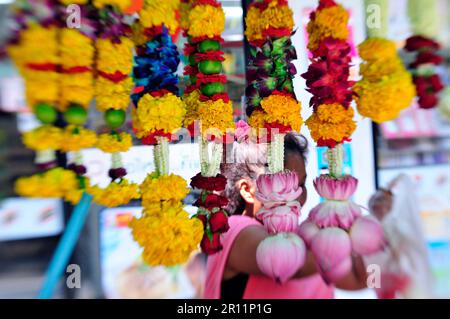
point(336, 227)
point(280, 255)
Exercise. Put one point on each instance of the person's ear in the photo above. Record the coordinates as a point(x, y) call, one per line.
point(246, 191)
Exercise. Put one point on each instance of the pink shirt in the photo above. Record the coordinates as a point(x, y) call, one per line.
point(259, 287)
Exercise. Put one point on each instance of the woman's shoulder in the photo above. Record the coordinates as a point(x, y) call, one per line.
point(242, 221)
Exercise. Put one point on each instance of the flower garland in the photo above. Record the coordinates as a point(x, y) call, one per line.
point(164, 230)
point(77, 90)
point(386, 87)
point(271, 101)
point(114, 62)
point(335, 227)
point(423, 21)
point(34, 50)
point(206, 101)
point(272, 105)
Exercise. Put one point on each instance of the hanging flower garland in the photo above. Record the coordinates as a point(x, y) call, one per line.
point(336, 226)
point(422, 16)
point(209, 104)
point(386, 87)
point(114, 62)
point(77, 90)
point(34, 50)
point(164, 230)
point(272, 105)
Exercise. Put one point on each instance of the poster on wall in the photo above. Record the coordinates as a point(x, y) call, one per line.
point(125, 275)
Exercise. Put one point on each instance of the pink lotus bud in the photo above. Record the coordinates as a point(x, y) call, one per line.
point(367, 236)
point(280, 218)
point(281, 256)
point(332, 213)
point(331, 248)
point(335, 189)
point(307, 230)
point(273, 189)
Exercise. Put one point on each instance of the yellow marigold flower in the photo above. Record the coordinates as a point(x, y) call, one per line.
point(191, 102)
point(377, 49)
point(73, 196)
point(115, 194)
point(160, 113)
point(110, 95)
point(41, 44)
point(120, 4)
point(76, 49)
point(282, 109)
point(206, 20)
point(377, 69)
point(45, 137)
point(215, 116)
point(253, 24)
point(277, 16)
point(157, 12)
point(68, 2)
point(168, 238)
point(75, 138)
point(114, 143)
point(55, 182)
point(331, 122)
point(155, 189)
point(112, 57)
point(185, 8)
point(328, 22)
point(257, 119)
point(41, 86)
point(76, 88)
point(383, 100)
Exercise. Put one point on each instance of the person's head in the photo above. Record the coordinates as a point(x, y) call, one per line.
point(249, 160)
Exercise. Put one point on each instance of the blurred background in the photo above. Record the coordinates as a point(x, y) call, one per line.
point(417, 144)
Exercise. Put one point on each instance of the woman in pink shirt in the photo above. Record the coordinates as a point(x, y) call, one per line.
point(233, 272)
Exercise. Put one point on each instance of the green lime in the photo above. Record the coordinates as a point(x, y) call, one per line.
point(208, 45)
point(115, 118)
point(212, 88)
point(192, 61)
point(45, 113)
point(75, 114)
point(210, 67)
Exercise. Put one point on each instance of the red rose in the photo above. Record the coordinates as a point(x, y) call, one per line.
point(219, 222)
point(418, 42)
point(436, 83)
point(203, 218)
point(216, 183)
point(211, 201)
point(428, 101)
point(427, 57)
point(210, 247)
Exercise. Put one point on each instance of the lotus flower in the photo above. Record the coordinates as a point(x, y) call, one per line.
point(336, 189)
point(335, 214)
point(367, 236)
point(331, 248)
point(243, 131)
point(279, 219)
point(307, 230)
point(280, 256)
point(274, 189)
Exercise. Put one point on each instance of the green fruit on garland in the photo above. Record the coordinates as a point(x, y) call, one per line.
point(115, 118)
point(192, 61)
point(212, 88)
point(208, 45)
point(75, 114)
point(210, 67)
point(45, 113)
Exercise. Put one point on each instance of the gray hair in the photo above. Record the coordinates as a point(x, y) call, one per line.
point(248, 160)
